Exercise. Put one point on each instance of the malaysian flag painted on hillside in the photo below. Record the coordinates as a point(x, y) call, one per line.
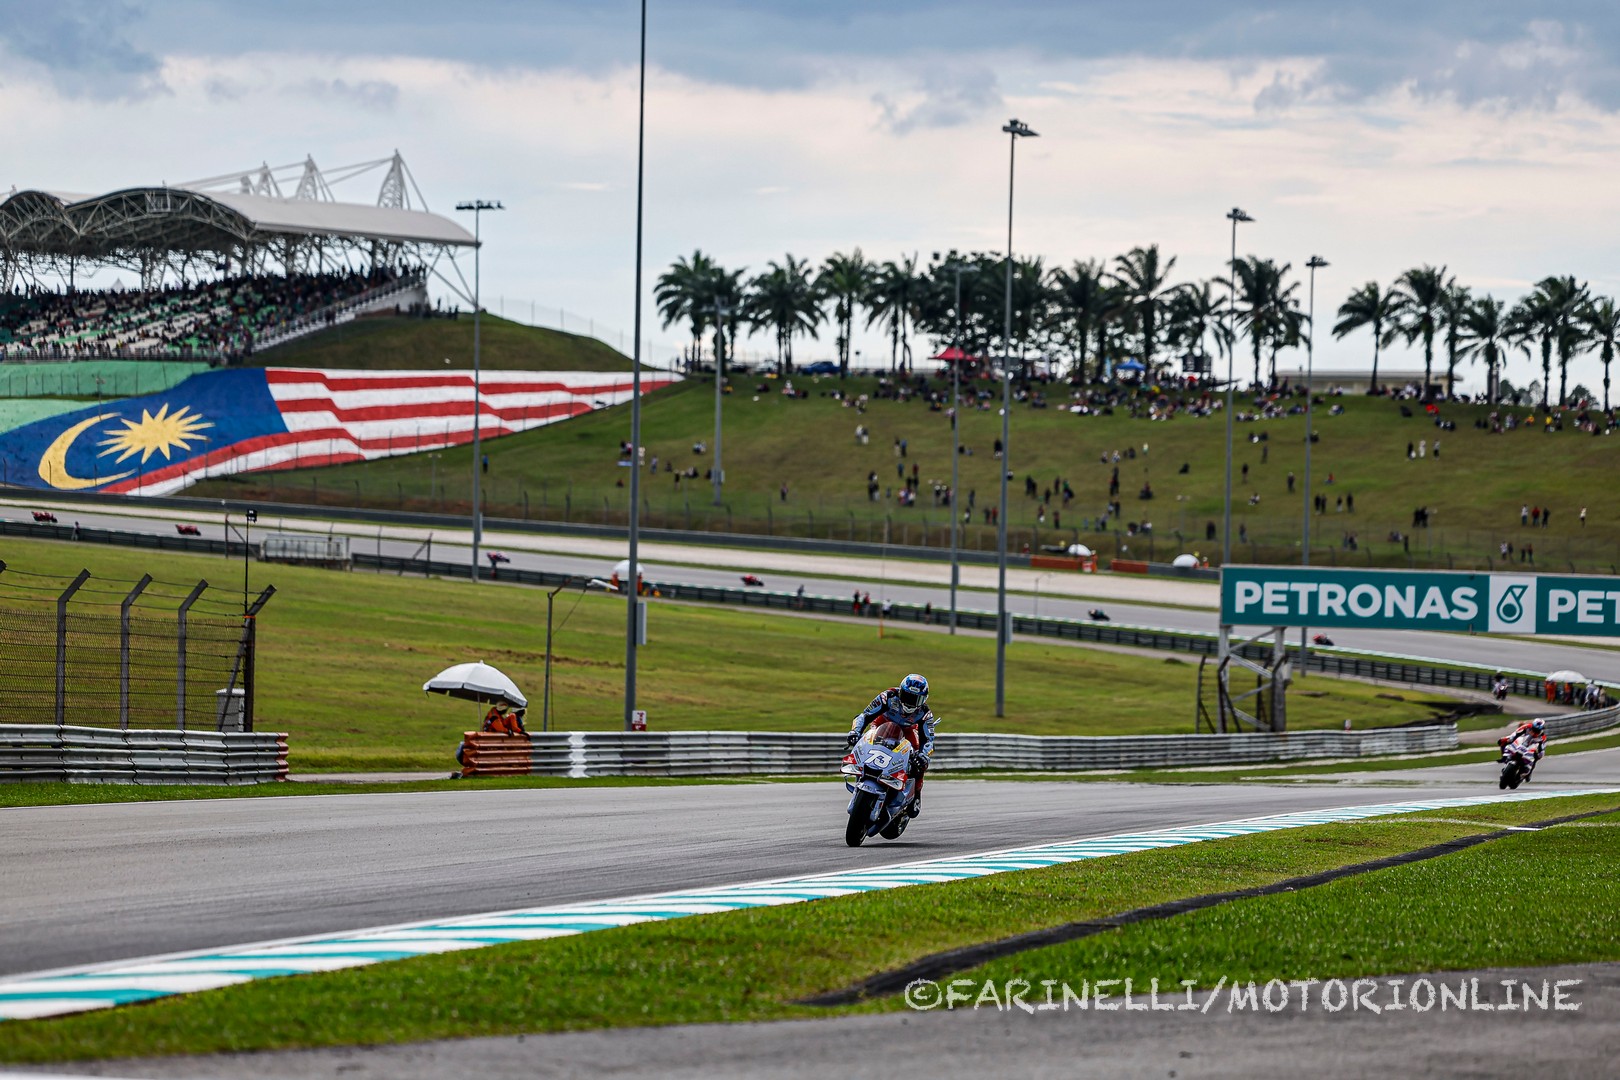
point(233, 421)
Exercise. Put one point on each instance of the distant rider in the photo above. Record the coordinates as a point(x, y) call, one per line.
point(906, 705)
point(1532, 736)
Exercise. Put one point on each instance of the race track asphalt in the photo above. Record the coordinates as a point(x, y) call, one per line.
point(119, 881)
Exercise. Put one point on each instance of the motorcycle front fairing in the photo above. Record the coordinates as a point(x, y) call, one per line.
point(881, 771)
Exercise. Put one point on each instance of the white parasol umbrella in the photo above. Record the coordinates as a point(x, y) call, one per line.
point(1566, 676)
point(476, 682)
point(1185, 562)
point(1080, 550)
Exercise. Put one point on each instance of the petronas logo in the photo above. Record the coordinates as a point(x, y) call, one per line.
point(1510, 609)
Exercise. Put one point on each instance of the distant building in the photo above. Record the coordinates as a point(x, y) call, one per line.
point(1327, 378)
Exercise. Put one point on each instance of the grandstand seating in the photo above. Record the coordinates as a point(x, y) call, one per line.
point(221, 319)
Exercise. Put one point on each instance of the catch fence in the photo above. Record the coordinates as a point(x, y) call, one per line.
point(97, 652)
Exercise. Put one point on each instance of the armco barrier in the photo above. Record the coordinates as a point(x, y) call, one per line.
point(715, 753)
point(70, 753)
point(1562, 727)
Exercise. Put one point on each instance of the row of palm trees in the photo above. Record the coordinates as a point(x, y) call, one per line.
point(1093, 315)
point(1560, 318)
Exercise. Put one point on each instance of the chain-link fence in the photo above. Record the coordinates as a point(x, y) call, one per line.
point(97, 652)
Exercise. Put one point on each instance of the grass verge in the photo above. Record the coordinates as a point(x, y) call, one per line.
point(1547, 898)
point(390, 343)
point(342, 658)
point(750, 965)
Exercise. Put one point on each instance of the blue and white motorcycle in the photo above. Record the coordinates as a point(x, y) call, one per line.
point(876, 772)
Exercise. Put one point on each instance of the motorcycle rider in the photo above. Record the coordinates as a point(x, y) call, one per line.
point(1532, 736)
point(907, 706)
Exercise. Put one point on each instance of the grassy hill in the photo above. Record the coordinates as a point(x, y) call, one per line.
point(1473, 489)
point(395, 342)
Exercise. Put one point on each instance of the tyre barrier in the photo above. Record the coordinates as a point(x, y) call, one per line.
point(46, 752)
point(717, 753)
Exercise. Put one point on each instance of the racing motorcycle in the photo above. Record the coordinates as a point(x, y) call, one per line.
point(876, 774)
point(1518, 762)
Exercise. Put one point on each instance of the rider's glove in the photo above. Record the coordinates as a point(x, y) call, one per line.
point(919, 765)
point(849, 741)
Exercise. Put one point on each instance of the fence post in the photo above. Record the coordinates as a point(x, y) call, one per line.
point(180, 669)
point(243, 661)
point(61, 645)
point(123, 649)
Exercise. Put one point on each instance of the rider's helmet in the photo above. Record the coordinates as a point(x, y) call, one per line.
point(913, 693)
point(1538, 726)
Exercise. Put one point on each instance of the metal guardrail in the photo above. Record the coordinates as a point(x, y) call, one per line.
point(71, 753)
point(712, 753)
point(1562, 727)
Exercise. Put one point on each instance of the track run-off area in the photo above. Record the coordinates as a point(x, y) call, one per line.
point(1129, 600)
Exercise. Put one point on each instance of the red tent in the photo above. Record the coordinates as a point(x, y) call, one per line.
point(954, 355)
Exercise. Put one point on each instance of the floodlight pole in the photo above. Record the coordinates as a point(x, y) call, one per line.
point(1013, 128)
point(1234, 217)
point(721, 312)
point(1315, 263)
point(477, 206)
point(956, 447)
point(632, 612)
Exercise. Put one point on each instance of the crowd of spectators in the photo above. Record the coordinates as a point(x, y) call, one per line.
point(220, 319)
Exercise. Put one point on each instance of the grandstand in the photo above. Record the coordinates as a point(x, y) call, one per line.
point(228, 265)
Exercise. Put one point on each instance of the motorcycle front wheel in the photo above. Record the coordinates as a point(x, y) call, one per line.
point(1515, 779)
point(860, 818)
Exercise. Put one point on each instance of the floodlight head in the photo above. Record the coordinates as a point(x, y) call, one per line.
point(1238, 215)
point(1316, 262)
point(1017, 128)
point(479, 204)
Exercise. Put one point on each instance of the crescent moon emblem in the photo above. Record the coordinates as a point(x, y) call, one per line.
point(53, 462)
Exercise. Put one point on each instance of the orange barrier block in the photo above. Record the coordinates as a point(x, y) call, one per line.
point(1053, 562)
point(492, 754)
point(1128, 566)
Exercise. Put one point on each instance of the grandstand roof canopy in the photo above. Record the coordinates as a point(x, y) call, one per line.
point(181, 219)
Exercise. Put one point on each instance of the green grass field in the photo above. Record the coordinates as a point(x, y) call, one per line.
point(388, 342)
point(1459, 910)
point(343, 657)
point(1474, 490)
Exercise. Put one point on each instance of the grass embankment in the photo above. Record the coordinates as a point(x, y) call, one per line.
point(1459, 910)
point(1474, 489)
point(118, 378)
point(342, 657)
point(389, 342)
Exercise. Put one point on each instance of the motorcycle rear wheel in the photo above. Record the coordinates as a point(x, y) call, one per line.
point(893, 830)
point(860, 818)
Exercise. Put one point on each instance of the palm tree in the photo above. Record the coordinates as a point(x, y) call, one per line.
point(1266, 315)
point(1195, 311)
point(785, 299)
point(683, 292)
point(846, 280)
point(1547, 316)
point(1487, 332)
point(1459, 301)
point(1032, 306)
point(1602, 320)
point(1144, 286)
point(1371, 306)
point(892, 300)
point(1087, 305)
point(1420, 304)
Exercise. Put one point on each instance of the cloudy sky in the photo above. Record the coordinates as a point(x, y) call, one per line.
point(1378, 134)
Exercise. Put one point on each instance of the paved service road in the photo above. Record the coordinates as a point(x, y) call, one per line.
point(119, 881)
point(1240, 1045)
point(1059, 594)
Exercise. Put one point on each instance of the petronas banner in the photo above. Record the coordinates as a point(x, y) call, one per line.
point(1420, 600)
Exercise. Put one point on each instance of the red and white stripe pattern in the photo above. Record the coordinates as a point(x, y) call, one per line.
point(334, 417)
